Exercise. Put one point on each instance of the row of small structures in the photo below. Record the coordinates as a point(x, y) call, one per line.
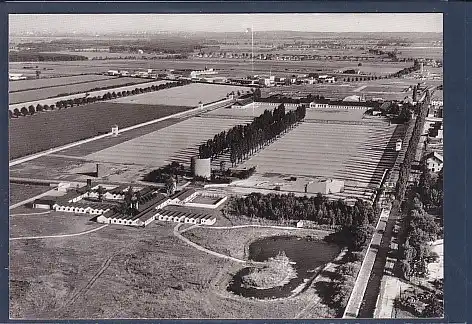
point(121, 205)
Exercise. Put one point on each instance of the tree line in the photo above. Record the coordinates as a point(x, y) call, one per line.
point(318, 209)
point(28, 56)
point(410, 154)
point(419, 228)
point(243, 140)
point(61, 104)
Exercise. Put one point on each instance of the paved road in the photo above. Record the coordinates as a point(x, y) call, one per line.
point(353, 306)
point(372, 291)
point(56, 236)
point(21, 203)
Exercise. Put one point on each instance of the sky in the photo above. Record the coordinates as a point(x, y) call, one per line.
point(327, 22)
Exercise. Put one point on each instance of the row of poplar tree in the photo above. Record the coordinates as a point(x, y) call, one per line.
point(243, 140)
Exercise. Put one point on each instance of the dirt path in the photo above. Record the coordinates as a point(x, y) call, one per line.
point(30, 214)
point(56, 236)
point(201, 248)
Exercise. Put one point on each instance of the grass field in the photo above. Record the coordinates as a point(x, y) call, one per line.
point(22, 85)
point(54, 223)
point(122, 272)
point(20, 192)
point(31, 95)
point(174, 143)
point(55, 128)
point(189, 95)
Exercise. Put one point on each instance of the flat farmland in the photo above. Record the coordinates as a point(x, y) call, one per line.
point(22, 85)
point(226, 67)
point(20, 192)
point(36, 94)
point(357, 154)
point(178, 142)
point(189, 95)
point(50, 129)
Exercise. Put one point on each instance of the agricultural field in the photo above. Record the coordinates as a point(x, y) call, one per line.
point(189, 95)
point(20, 192)
point(178, 142)
point(36, 94)
point(50, 129)
point(357, 154)
point(226, 67)
point(22, 85)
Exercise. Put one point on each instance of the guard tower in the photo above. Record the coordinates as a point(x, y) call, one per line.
point(114, 130)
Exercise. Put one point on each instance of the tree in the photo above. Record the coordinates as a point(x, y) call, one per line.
point(10, 114)
point(16, 112)
point(39, 108)
point(31, 110)
point(24, 111)
point(434, 307)
point(101, 191)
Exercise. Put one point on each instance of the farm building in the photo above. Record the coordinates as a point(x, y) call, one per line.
point(327, 186)
point(44, 203)
point(434, 161)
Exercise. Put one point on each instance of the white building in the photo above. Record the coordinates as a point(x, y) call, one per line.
point(16, 77)
point(434, 161)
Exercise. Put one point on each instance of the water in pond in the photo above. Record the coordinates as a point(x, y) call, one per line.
point(306, 253)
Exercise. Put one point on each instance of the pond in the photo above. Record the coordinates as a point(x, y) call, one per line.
point(309, 256)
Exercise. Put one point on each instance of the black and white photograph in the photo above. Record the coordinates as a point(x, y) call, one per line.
point(225, 166)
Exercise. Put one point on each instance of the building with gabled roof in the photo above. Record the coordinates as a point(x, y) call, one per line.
point(434, 161)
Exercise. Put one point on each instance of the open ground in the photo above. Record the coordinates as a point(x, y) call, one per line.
point(150, 275)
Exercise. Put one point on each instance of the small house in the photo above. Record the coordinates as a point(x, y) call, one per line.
point(300, 224)
point(434, 161)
